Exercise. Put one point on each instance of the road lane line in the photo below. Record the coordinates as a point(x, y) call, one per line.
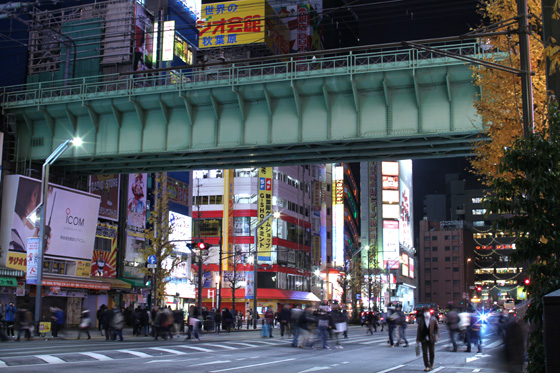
point(251, 366)
point(96, 356)
point(211, 362)
point(196, 348)
point(438, 369)
point(135, 353)
point(391, 369)
point(50, 359)
point(168, 350)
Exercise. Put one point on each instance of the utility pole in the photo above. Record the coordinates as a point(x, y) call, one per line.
point(525, 59)
point(220, 279)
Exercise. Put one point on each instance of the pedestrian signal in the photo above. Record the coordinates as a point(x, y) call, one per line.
point(202, 245)
point(147, 280)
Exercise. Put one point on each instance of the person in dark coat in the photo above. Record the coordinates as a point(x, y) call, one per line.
point(106, 318)
point(428, 334)
point(285, 320)
point(227, 319)
point(217, 321)
point(99, 317)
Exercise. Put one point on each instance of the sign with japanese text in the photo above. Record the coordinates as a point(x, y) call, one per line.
point(32, 259)
point(136, 206)
point(264, 235)
point(232, 23)
point(228, 201)
point(168, 41)
point(17, 261)
point(83, 268)
point(104, 260)
point(107, 187)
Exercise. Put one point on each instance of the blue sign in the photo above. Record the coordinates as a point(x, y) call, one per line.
point(152, 259)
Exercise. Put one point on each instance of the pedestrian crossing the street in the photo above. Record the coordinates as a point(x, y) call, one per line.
point(172, 350)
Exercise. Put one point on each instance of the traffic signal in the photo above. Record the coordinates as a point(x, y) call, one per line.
point(527, 281)
point(147, 280)
point(201, 245)
point(479, 288)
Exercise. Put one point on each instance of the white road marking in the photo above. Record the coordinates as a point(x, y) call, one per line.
point(314, 369)
point(50, 359)
point(391, 369)
point(222, 346)
point(438, 369)
point(195, 348)
point(469, 359)
point(251, 366)
point(212, 362)
point(96, 356)
point(243, 344)
point(168, 350)
point(135, 353)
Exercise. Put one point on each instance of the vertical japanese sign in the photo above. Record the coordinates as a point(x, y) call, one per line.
point(373, 218)
point(232, 23)
point(107, 187)
point(227, 227)
point(338, 216)
point(168, 41)
point(264, 235)
point(32, 259)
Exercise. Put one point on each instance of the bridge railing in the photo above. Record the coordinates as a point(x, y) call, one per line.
point(98, 87)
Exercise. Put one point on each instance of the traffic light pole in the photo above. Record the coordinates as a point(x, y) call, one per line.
point(199, 282)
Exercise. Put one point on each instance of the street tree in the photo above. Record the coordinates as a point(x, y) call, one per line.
point(236, 277)
point(528, 201)
point(157, 237)
point(499, 104)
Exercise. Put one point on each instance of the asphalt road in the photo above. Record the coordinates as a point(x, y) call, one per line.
point(241, 351)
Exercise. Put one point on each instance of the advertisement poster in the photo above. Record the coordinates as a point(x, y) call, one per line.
point(136, 206)
point(32, 260)
point(181, 226)
point(232, 23)
point(391, 244)
point(249, 283)
point(104, 260)
point(303, 21)
point(71, 218)
point(143, 39)
point(264, 235)
point(83, 268)
point(107, 187)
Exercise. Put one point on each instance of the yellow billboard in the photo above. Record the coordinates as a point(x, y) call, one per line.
point(232, 23)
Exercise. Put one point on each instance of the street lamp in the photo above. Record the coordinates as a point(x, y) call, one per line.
point(275, 215)
point(42, 216)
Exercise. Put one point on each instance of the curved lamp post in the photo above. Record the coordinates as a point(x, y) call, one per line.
point(42, 215)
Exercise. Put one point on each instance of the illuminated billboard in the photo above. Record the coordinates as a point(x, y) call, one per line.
point(390, 168)
point(338, 216)
point(181, 231)
point(405, 218)
point(391, 244)
point(241, 22)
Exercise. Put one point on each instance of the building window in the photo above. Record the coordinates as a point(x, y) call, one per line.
point(478, 211)
point(455, 282)
point(446, 237)
point(428, 296)
point(478, 223)
point(455, 269)
point(427, 249)
point(447, 248)
point(455, 248)
point(434, 259)
point(426, 259)
point(456, 295)
point(426, 238)
point(434, 238)
point(447, 259)
point(427, 270)
point(455, 237)
point(455, 258)
point(434, 248)
point(476, 200)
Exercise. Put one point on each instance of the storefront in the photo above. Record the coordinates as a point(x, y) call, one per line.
point(9, 284)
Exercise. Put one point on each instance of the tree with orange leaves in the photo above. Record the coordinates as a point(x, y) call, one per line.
point(499, 103)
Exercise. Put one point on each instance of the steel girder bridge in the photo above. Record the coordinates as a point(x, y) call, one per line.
point(359, 106)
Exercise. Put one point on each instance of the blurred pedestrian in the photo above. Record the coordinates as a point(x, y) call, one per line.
point(193, 323)
point(217, 321)
point(338, 324)
point(106, 317)
point(514, 345)
point(453, 326)
point(10, 318)
point(268, 322)
point(24, 322)
point(117, 324)
point(474, 332)
point(57, 323)
point(227, 319)
point(401, 327)
point(392, 318)
point(99, 317)
point(296, 315)
point(85, 323)
point(249, 317)
point(428, 334)
point(285, 318)
point(324, 322)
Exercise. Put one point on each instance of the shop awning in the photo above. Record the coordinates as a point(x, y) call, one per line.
point(77, 283)
point(117, 283)
point(11, 272)
point(8, 281)
point(135, 282)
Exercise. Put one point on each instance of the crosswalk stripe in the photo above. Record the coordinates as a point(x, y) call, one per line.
point(494, 344)
point(196, 348)
point(266, 343)
point(167, 350)
point(135, 353)
point(50, 359)
point(96, 356)
point(221, 346)
point(243, 344)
